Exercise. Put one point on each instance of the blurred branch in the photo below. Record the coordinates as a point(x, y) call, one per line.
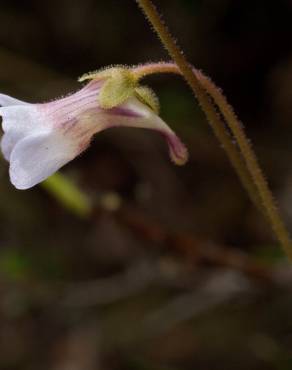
point(194, 249)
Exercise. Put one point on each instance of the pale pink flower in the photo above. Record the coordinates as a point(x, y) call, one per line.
point(41, 138)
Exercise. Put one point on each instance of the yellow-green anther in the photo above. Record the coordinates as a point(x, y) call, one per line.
point(148, 96)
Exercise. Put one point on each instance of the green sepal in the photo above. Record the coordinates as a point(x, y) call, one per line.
point(102, 73)
point(117, 88)
point(148, 97)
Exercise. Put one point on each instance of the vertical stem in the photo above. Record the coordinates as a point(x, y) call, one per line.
point(252, 164)
point(251, 161)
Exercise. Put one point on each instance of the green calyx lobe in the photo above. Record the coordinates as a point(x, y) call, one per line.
point(148, 97)
point(121, 83)
point(117, 88)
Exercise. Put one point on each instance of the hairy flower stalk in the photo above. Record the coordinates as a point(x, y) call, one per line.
point(249, 156)
point(40, 138)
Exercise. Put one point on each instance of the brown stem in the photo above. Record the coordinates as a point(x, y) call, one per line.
point(246, 150)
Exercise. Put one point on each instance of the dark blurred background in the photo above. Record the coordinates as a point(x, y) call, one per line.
point(165, 268)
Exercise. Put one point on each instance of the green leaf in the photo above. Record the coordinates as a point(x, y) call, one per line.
point(14, 265)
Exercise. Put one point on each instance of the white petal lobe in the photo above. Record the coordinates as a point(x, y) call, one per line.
point(22, 118)
point(36, 157)
point(6, 100)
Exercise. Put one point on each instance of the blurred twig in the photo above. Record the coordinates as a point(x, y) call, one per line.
point(194, 249)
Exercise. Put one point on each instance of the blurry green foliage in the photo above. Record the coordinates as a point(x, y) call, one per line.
point(269, 254)
point(14, 265)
